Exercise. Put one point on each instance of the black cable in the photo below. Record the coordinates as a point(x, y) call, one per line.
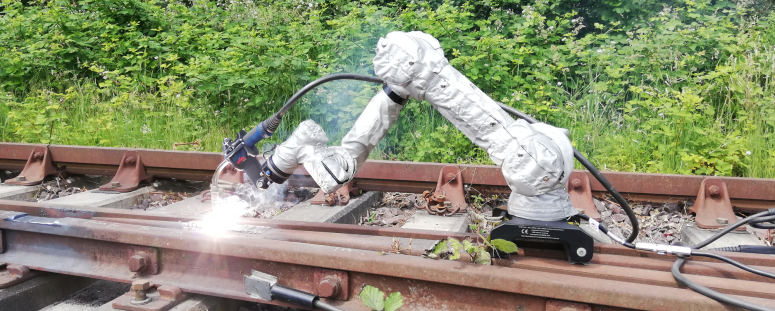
point(676, 270)
point(324, 306)
point(605, 230)
point(592, 169)
point(735, 263)
point(757, 223)
point(328, 78)
point(723, 298)
point(734, 226)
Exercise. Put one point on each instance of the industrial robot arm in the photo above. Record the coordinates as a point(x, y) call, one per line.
point(536, 159)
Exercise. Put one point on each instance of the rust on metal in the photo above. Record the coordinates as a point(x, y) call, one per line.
point(449, 196)
point(11, 274)
point(144, 296)
point(559, 305)
point(746, 193)
point(339, 197)
point(36, 169)
point(143, 262)
point(332, 284)
point(580, 193)
point(131, 172)
point(190, 257)
point(712, 208)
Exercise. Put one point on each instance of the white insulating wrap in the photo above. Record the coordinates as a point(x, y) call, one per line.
point(536, 160)
point(332, 167)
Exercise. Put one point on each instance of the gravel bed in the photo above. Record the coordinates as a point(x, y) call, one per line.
point(393, 210)
point(57, 188)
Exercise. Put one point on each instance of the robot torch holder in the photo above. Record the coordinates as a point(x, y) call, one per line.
point(243, 154)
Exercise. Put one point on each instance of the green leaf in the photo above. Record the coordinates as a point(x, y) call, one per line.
point(440, 247)
point(504, 246)
point(373, 297)
point(469, 247)
point(482, 257)
point(394, 301)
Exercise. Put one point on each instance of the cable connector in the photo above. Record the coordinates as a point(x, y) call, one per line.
point(663, 249)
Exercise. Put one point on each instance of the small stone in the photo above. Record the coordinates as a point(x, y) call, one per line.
point(646, 210)
point(394, 220)
point(291, 197)
point(605, 214)
point(395, 211)
point(145, 204)
point(671, 207)
point(599, 205)
point(157, 197)
point(619, 217)
point(616, 209)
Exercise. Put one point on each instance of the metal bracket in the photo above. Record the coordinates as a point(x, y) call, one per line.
point(580, 193)
point(11, 274)
point(449, 197)
point(130, 173)
point(340, 197)
point(333, 284)
point(713, 208)
point(37, 168)
point(161, 298)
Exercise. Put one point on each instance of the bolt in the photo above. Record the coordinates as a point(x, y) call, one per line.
point(714, 190)
point(440, 198)
point(130, 160)
point(140, 287)
point(138, 262)
point(451, 177)
point(37, 155)
point(576, 183)
point(581, 252)
point(722, 221)
point(115, 184)
point(21, 178)
point(329, 199)
point(411, 63)
point(329, 287)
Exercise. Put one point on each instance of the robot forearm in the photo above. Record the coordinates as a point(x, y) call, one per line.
point(332, 167)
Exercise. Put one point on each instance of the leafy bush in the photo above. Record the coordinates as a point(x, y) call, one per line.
point(652, 86)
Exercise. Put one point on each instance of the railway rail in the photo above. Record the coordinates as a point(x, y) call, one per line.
point(169, 253)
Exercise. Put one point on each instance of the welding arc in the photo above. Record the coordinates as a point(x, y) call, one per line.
point(592, 169)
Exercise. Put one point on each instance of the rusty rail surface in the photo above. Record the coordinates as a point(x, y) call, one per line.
point(747, 193)
point(100, 245)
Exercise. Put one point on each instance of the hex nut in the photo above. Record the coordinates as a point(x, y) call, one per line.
point(576, 183)
point(137, 263)
point(329, 287)
point(141, 285)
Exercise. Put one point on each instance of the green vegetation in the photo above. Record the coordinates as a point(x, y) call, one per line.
point(674, 86)
point(375, 299)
